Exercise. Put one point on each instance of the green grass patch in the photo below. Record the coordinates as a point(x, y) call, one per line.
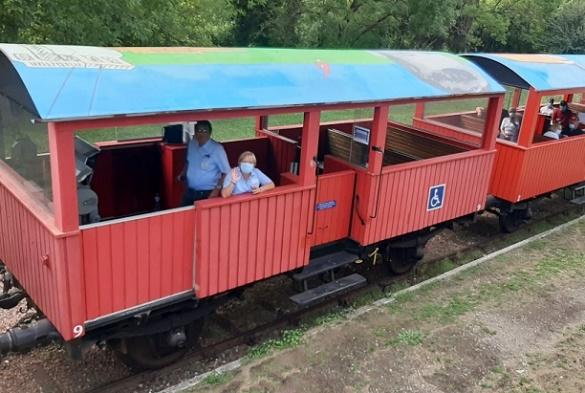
point(217, 378)
point(331, 317)
point(290, 338)
point(407, 337)
point(438, 268)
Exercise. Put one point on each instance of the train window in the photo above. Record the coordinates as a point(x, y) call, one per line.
point(464, 115)
point(402, 113)
point(229, 129)
point(24, 146)
point(508, 98)
point(122, 133)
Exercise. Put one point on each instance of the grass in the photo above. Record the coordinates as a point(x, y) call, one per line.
point(407, 337)
point(289, 339)
point(446, 310)
point(217, 378)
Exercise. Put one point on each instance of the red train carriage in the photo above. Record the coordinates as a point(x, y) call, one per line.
point(533, 165)
point(94, 236)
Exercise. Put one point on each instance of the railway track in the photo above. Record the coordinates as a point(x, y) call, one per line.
point(239, 341)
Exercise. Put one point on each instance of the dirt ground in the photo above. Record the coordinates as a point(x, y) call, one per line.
point(514, 324)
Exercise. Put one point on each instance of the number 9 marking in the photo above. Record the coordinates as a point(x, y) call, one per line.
point(77, 331)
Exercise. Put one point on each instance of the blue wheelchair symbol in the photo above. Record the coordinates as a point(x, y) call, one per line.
point(436, 197)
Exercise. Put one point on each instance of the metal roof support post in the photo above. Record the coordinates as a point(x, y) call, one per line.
point(261, 124)
point(378, 139)
point(568, 97)
point(492, 125)
point(516, 97)
point(62, 149)
point(309, 142)
point(419, 111)
point(530, 119)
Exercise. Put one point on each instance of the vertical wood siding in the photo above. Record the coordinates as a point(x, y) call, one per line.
point(523, 173)
point(552, 165)
point(395, 202)
point(507, 171)
point(333, 223)
point(43, 261)
point(283, 151)
point(133, 262)
point(251, 237)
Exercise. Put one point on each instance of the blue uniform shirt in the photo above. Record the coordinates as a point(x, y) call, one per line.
point(256, 179)
point(205, 164)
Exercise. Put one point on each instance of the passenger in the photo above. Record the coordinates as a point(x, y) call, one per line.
point(549, 108)
point(480, 111)
point(206, 165)
point(567, 120)
point(554, 133)
point(246, 178)
point(510, 126)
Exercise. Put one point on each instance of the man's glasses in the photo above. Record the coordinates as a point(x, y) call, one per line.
point(201, 132)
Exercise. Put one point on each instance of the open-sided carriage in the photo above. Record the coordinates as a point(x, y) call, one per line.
point(93, 234)
point(532, 166)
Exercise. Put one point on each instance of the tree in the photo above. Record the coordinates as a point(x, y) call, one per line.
point(566, 29)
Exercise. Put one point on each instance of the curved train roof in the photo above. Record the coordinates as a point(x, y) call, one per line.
point(540, 71)
point(71, 82)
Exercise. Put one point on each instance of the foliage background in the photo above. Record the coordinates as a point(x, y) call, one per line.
point(555, 26)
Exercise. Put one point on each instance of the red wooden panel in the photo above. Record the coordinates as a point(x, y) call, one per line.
point(25, 241)
point(441, 126)
point(549, 166)
point(131, 262)
point(275, 211)
point(332, 222)
point(400, 206)
point(173, 162)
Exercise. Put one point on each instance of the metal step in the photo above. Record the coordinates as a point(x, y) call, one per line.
point(325, 263)
point(331, 288)
point(579, 200)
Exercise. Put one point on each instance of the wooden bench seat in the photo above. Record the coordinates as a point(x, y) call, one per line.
point(402, 145)
point(472, 123)
point(413, 144)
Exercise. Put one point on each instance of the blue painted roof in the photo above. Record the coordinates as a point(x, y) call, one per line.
point(540, 71)
point(73, 82)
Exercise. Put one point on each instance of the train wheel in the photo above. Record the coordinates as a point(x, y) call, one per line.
point(154, 351)
point(511, 221)
point(401, 260)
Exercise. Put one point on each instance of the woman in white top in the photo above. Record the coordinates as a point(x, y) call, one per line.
point(510, 126)
point(246, 177)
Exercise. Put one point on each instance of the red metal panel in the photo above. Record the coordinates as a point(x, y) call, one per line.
point(273, 211)
point(401, 206)
point(131, 262)
point(332, 223)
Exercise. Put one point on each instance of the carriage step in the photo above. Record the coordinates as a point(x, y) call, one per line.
point(324, 264)
point(324, 291)
point(579, 200)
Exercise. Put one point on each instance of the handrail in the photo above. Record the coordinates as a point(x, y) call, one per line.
point(436, 160)
point(278, 136)
point(282, 190)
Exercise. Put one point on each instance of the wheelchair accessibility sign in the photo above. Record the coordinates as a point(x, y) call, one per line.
point(436, 197)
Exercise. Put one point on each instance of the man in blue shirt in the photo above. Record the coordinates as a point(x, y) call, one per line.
point(206, 166)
